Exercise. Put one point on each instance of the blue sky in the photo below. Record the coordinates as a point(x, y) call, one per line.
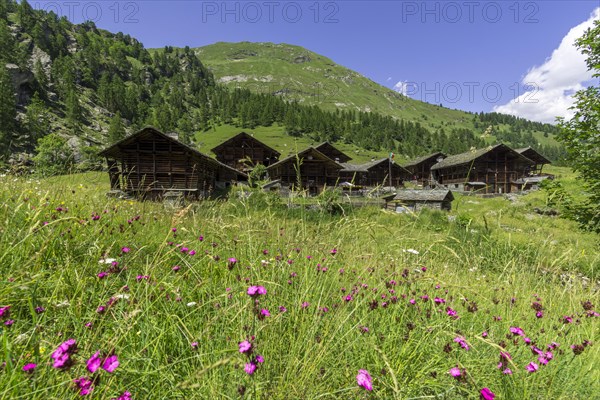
point(471, 55)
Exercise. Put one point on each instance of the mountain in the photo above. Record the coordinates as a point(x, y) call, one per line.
point(298, 74)
point(68, 90)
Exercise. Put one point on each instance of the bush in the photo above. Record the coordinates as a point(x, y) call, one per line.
point(54, 155)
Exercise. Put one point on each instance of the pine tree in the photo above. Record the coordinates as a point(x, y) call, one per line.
point(38, 119)
point(73, 109)
point(8, 110)
point(116, 130)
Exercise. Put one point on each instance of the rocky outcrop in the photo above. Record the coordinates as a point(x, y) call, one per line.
point(22, 82)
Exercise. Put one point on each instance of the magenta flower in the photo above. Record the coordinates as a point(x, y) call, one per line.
point(4, 311)
point(125, 249)
point(265, 313)
point(29, 367)
point(461, 340)
point(102, 274)
point(532, 367)
point(487, 394)
point(451, 312)
point(249, 368)
point(9, 322)
point(231, 262)
point(176, 268)
point(84, 384)
point(334, 252)
point(305, 304)
point(62, 353)
point(507, 371)
point(282, 309)
point(192, 252)
point(259, 359)
point(439, 300)
point(256, 291)
point(245, 346)
point(455, 372)
point(110, 363)
point(125, 396)
point(484, 334)
point(515, 330)
point(94, 362)
point(364, 379)
point(194, 345)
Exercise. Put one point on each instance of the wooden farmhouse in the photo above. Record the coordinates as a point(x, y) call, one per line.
point(414, 200)
point(488, 170)
point(538, 160)
point(150, 163)
point(332, 152)
point(243, 151)
point(419, 169)
point(310, 169)
point(373, 173)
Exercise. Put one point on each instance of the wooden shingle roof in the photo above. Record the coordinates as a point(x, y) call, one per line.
point(333, 152)
point(115, 149)
point(469, 156)
point(533, 155)
point(428, 157)
point(244, 135)
point(311, 151)
point(424, 195)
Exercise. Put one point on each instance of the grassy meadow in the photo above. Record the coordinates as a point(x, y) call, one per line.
point(433, 305)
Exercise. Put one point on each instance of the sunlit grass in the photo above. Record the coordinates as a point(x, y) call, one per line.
point(489, 264)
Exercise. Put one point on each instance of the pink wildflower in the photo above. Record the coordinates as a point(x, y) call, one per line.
point(245, 346)
point(94, 362)
point(487, 394)
point(455, 372)
point(85, 385)
point(249, 368)
point(364, 380)
point(29, 367)
point(110, 363)
point(532, 367)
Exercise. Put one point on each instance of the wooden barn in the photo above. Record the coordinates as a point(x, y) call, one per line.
point(373, 173)
point(414, 200)
point(314, 170)
point(333, 152)
point(243, 151)
point(488, 170)
point(538, 160)
point(150, 163)
point(419, 169)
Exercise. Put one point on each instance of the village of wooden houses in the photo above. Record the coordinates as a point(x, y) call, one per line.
point(156, 165)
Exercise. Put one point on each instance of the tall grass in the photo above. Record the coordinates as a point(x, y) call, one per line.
point(50, 253)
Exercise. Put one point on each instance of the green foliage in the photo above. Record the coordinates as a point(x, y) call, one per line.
point(37, 119)
point(581, 134)
point(257, 175)
point(8, 110)
point(116, 130)
point(330, 200)
point(54, 155)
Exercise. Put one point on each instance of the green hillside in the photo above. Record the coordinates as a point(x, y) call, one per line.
point(296, 73)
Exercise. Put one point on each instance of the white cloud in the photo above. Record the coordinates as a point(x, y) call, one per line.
point(402, 87)
point(554, 82)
